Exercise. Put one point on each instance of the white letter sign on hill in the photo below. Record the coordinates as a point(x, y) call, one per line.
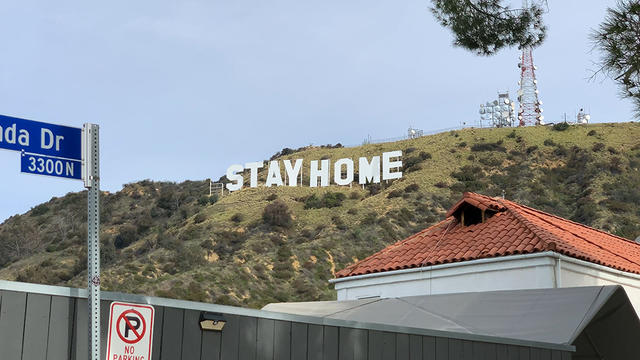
point(319, 171)
point(130, 332)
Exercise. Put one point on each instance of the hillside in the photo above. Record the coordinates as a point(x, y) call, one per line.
point(172, 240)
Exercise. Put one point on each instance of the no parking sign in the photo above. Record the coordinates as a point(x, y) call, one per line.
point(130, 332)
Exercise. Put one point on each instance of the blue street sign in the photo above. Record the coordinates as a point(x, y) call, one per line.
point(40, 138)
point(46, 165)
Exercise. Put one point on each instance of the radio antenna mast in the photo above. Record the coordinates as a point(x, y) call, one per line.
point(529, 112)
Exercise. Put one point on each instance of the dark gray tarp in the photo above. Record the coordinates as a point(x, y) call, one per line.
point(598, 320)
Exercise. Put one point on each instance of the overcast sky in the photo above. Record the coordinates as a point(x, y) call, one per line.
point(183, 89)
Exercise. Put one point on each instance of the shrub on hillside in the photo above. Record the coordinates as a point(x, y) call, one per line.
point(598, 147)
point(339, 223)
point(561, 126)
point(125, 237)
point(467, 173)
point(39, 210)
point(328, 200)
point(237, 217)
point(425, 155)
point(441, 185)
point(411, 164)
point(412, 188)
point(394, 193)
point(374, 189)
point(591, 133)
point(200, 217)
point(560, 151)
point(277, 214)
point(207, 200)
point(497, 146)
point(549, 142)
point(490, 161)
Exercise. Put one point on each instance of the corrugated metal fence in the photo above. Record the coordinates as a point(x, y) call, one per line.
point(47, 324)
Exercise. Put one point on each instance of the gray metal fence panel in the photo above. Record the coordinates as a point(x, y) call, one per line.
point(172, 334)
point(502, 352)
point(299, 341)
point(352, 344)
point(282, 340)
point(191, 335)
point(525, 353)
point(455, 349)
point(428, 347)
point(230, 336)
point(467, 350)
point(247, 341)
point(513, 352)
point(330, 343)
point(211, 342)
point(545, 354)
point(442, 348)
point(104, 324)
point(490, 351)
point(156, 342)
point(60, 328)
point(80, 347)
point(36, 327)
point(375, 345)
point(315, 335)
point(402, 346)
point(265, 339)
point(389, 345)
point(415, 347)
point(12, 324)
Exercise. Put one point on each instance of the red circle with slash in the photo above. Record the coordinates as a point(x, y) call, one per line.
point(138, 335)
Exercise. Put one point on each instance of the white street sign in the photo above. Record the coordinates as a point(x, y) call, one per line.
point(130, 331)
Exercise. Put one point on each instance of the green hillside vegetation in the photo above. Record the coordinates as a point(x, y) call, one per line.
point(261, 245)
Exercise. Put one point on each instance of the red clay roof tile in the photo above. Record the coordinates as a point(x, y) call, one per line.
point(514, 229)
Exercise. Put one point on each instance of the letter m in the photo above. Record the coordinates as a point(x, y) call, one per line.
point(369, 172)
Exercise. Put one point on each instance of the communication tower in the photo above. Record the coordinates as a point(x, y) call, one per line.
point(582, 117)
point(498, 113)
point(530, 112)
point(414, 133)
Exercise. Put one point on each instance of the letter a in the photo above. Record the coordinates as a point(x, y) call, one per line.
point(273, 176)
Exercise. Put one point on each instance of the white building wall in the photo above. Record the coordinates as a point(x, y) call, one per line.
point(505, 273)
point(580, 273)
point(532, 271)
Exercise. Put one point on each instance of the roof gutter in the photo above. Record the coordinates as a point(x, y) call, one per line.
point(444, 266)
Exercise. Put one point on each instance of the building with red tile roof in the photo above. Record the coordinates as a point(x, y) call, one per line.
point(487, 243)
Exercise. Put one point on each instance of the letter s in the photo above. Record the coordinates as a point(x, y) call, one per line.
point(233, 176)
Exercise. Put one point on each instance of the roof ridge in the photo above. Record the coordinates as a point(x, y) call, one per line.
point(581, 237)
point(569, 221)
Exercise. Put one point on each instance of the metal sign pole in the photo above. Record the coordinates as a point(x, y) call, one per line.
point(91, 176)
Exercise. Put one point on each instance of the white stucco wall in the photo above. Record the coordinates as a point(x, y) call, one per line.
point(532, 271)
